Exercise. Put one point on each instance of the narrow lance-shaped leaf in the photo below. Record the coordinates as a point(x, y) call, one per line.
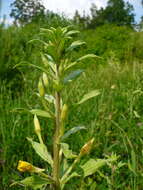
point(89, 96)
point(40, 113)
point(72, 32)
point(72, 131)
point(32, 65)
point(41, 150)
point(73, 75)
point(87, 57)
point(46, 30)
point(49, 98)
point(35, 182)
point(76, 63)
point(48, 61)
point(75, 44)
point(38, 40)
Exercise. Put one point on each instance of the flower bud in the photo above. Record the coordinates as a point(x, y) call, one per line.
point(64, 112)
point(45, 80)
point(87, 147)
point(41, 88)
point(37, 125)
point(27, 167)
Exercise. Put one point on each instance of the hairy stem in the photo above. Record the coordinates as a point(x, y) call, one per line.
point(56, 144)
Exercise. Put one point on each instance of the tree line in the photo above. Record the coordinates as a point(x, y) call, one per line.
point(116, 12)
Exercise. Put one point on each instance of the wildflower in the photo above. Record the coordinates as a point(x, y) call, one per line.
point(27, 167)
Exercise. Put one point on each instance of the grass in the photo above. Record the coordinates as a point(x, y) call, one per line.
point(114, 118)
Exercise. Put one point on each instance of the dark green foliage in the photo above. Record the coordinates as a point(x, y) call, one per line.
point(110, 42)
point(116, 12)
point(25, 11)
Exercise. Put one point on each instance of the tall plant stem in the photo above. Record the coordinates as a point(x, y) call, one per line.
point(56, 143)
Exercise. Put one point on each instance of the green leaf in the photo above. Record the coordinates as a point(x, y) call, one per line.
point(32, 65)
point(67, 152)
point(46, 30)
point(93, 186)
point(72, 32)
point(87, 57)
point(72, 131)
point(42, 151)
point(40, 113)
point(89, 95)
point(38, 40)
point(70, 66)
point(73, 75)
point(75, 44)
point(76, 62)
point(132, 163)
point(20, 110)
point(49, 98)
point(35, 182)
point(91, 166)
point(48, 61)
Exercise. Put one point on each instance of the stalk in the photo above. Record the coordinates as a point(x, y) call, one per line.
point(56, 143)
point(71, 167)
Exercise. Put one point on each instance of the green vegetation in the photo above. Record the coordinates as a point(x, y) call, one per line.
point(114, 118)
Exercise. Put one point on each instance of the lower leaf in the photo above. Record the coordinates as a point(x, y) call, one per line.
point(35, 182)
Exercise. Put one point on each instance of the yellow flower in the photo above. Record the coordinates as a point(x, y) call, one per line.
point(27, 167)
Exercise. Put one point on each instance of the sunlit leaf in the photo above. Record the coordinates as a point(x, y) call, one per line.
point(75, 44)
point(87, 57)
point(40, 113)
point(89, 96)
point(46, 30)
point(72, 32)
point(91, 166)
point(42, 151)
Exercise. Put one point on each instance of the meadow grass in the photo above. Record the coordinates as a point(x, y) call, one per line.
point(114, 118)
